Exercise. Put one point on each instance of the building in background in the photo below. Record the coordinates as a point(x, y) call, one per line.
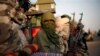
point(40, 7)
point(45, 5)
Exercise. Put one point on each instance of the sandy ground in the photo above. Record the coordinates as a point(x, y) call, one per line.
point(94, 47)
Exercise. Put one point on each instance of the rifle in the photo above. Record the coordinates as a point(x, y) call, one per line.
point(80, 17)
point(79, 34)
point(80, 26)
point(75, 39)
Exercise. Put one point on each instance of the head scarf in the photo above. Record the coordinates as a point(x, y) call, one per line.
point(50, 28)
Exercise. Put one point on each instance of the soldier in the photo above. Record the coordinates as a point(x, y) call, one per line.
point(10, 41)
point(62, 30)
point(46, 39)
point(77, 41)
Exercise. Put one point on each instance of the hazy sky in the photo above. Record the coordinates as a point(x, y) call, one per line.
point(90, 9)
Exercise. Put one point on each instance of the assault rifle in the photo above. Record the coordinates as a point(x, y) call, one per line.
point(73, 41)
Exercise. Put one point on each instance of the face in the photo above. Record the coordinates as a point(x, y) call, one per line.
point(21, 15)
point(62, 27)
point(49, 24)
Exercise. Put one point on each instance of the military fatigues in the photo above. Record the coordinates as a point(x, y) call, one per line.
point(10, 40)
point(47, 39)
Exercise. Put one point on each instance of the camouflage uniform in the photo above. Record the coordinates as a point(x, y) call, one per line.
point(10, 40)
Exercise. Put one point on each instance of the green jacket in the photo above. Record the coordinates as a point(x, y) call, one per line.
point(45, 45)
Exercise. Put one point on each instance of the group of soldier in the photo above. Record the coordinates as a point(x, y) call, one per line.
point(52, 39)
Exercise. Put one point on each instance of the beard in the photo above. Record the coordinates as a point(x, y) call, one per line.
point(63, 31)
